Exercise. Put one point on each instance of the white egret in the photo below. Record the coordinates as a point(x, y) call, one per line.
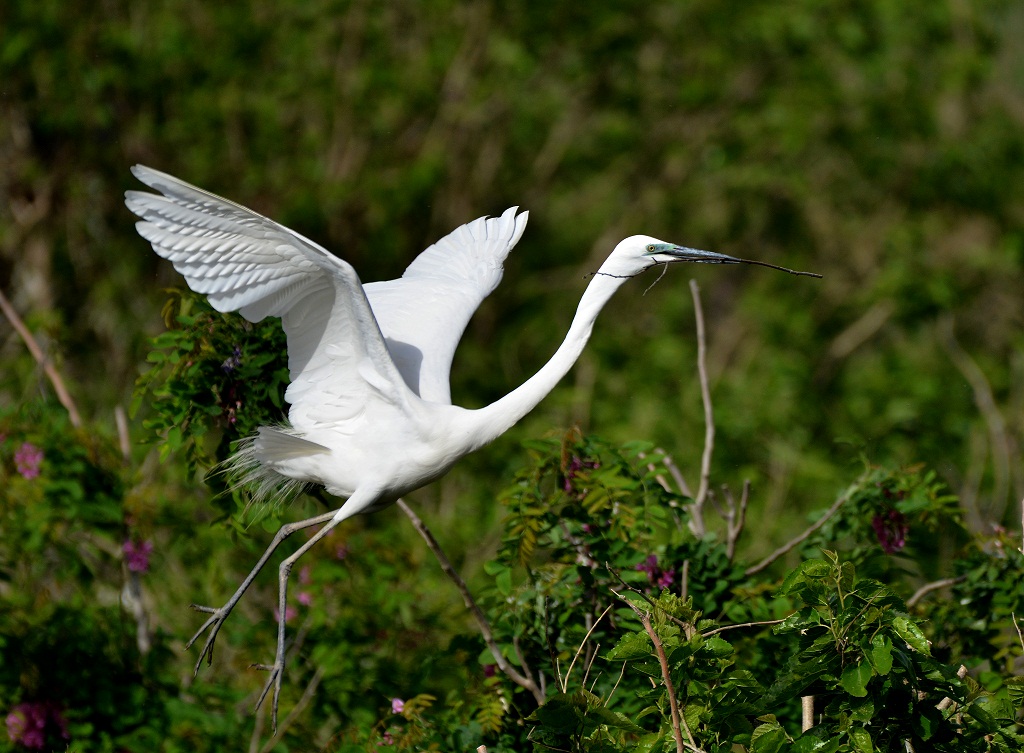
point(370, 414)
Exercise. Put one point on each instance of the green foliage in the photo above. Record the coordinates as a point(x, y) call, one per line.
point(209, 378)
point(849, 641)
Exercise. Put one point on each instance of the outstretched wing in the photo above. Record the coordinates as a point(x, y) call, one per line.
point(245, 262)
point(424, 313)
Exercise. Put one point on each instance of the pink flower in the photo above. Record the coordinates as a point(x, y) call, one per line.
point(289, 614)
point(28, 723)
point(397, 705)
point(305, 598)
point(305, 576)
point(28, 458)
point(136, 555)
point(341, 552)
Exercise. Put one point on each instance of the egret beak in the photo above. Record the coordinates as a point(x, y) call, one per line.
point(670, 252)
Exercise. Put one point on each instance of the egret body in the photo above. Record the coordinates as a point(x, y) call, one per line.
point(370, 414)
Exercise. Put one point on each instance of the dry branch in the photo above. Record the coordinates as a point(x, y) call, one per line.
point(37, 353)
point(697, 508)
point(485, 628)
point(793, 543)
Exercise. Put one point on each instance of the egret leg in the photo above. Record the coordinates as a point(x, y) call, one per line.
point(277, 668)
point(217, 616)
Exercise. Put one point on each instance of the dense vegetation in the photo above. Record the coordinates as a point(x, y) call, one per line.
point(879, 143)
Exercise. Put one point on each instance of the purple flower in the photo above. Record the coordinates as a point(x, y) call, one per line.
point(305, 575)
point(28, 723)
point(666, 579)
point(397, 705)
point(305, 598)
point(233, 362)
point(656, 576)
point(575, 466)
point(136, 555)
point(489, 670)
point(649, 565)
point(28, 458)
point(341, 551)
point(891, 529)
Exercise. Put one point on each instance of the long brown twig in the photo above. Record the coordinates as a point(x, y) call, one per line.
point(927, 588)
point(37, 353)
point(485, 627)
point(794, 542)
point(679, 723)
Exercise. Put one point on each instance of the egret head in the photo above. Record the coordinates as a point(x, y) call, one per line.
point(640, 252)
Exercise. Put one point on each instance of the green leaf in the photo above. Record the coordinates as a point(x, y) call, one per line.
point(631, 646)
point(855, 679)
point(559, 714)
point(719, 647)
point(768, 738)
point(926, 721)
point(503, 582)
point(881, 654)
point(911, 633)
point(614, 719)
point(860, 740)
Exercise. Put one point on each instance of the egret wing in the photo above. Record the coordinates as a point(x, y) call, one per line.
point(245, 262)
point(424, 313)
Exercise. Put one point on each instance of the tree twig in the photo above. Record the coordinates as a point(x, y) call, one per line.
point(565, 682)
point(697, 508)
point(999, 443)
point(677, 475)
point(927, 588)
point(736, 518)
point(37, 353)
point(793, 543)
point(723, 628)
point(678, 721)
point(485, 628)
point(946, 702)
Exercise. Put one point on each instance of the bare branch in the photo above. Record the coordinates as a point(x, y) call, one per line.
point(124, 440)
point(945, 703)
point(927, 588)
point(565, 682)
point(697, 508)
point(740, 625)
point(681, 486)
point(999, 442)
point(736, 518)
point(678, 721)
point(37, 353)
point(793, 543)
point(467, 597)
point(677, 475)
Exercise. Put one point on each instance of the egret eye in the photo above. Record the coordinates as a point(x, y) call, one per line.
point(650, 247)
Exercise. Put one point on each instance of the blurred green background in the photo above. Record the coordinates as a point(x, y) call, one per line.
point(878, 142)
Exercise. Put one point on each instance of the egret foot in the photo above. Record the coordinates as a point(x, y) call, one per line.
point(276, 674)
point(213, 624)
